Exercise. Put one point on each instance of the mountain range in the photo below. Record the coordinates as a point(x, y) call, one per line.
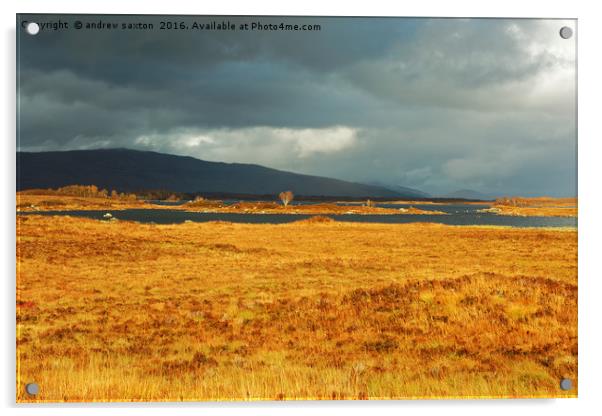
point(127, 170)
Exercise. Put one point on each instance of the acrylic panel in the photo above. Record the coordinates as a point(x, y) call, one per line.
point(217, 208)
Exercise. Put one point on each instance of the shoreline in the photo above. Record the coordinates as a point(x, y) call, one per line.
point(64, 203)
point(313, 219)
point(37, 203)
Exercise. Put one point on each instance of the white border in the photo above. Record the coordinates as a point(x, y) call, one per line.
point(590, 203)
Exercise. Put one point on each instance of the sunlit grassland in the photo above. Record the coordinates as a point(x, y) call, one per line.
point(128, 311)
point(540, 206)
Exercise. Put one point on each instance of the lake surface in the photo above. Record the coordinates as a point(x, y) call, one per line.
point(460, 214)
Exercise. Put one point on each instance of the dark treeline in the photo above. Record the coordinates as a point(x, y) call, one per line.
point(84, 191)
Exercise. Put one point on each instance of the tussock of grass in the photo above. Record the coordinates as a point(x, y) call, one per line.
point(316, 219)
point(204, 203)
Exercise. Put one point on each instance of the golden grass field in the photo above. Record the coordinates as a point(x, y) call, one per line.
point(122, 311)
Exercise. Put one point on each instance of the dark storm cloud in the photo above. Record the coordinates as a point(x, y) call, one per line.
point(437, 104)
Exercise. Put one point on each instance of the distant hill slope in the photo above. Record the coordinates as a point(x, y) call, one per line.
point(468, 194)
point(132, 170)
point(414, 193)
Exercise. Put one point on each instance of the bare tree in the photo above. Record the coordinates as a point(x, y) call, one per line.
point(286, 197)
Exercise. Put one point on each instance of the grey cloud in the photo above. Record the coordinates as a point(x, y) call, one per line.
point(437, 104)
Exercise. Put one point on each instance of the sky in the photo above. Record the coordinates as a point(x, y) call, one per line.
point(433, 104)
